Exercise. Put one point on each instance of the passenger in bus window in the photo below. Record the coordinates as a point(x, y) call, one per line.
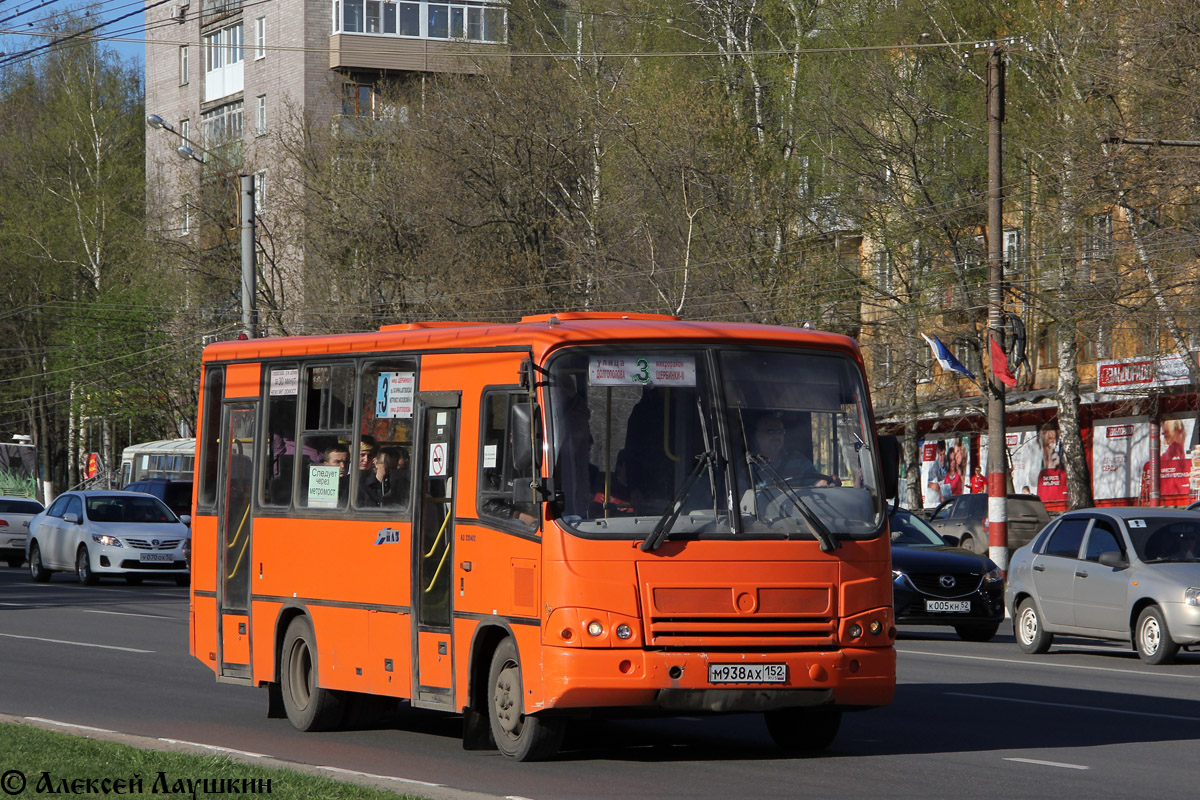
point(769, 437)
point(367, 450)
point(338, 455)
point(385, 483)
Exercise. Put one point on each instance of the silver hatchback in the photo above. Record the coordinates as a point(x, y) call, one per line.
point(1128, 574)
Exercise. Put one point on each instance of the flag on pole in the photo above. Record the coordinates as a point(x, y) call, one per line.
point(946, 358)
point(1000, 363)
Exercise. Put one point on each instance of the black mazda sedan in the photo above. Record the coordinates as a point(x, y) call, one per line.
point(936, 584)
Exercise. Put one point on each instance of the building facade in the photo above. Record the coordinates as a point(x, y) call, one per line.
point(233, 78)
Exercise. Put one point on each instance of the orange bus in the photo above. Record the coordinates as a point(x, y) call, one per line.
point(531, 522)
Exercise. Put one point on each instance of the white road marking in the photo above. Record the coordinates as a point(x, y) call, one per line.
point(1047, 763)
point(213, 747)
point(68, 725)
point(1076, 707)
point(77, 644)
point(341, 771)
point(1047, 664)
point(128, 614)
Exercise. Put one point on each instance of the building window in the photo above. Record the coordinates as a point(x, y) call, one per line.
point(260, 191)
point(223, 124)
point(475, 22)
point(223, 57)
point(260, 116)
point(183, 64)
point(260, 38)
point(185, 128)
point(185, 223)
point(1098, 237)
point(358, 99)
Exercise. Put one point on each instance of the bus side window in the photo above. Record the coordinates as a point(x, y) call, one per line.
point(382, 475)
point(210, 424)
point(324, 446)
point(279, 464)
point(498, 477)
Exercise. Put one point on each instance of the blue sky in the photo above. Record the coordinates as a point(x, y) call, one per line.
point(25, 17)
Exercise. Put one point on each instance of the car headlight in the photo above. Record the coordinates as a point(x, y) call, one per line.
point(993, 575)
point(106, 540)
point(1191, 596)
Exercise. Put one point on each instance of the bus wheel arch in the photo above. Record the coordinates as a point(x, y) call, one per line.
point(477, 731)
point(519, 736)
point(309, 707)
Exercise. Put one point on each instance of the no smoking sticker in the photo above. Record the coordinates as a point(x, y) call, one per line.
point(438, 466)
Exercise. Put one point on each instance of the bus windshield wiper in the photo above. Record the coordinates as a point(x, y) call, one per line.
point(659, 534)
point(820, 529)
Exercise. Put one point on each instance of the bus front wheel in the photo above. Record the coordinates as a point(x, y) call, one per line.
point(308, 706)
point(802, 729)
point(518, 736)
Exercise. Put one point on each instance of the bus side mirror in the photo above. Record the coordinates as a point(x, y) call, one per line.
point(520, 430)
point(889, 464)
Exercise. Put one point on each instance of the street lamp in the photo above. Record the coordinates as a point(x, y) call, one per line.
point(246, 208)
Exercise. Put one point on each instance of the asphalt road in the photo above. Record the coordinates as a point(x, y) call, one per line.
point(979, 720)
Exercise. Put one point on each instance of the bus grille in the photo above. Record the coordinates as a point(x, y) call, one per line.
point(740, 615)
point(742, 632)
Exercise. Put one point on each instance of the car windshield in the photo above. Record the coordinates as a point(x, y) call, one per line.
point(1165, 539)
point(712, 442)
point(128, 508)
point(20, 506)
point(909, 530)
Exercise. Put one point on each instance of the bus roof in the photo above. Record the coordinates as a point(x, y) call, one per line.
point(541, 333)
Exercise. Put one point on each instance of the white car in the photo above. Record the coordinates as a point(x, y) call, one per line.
point(15, 513)
point(97, 533)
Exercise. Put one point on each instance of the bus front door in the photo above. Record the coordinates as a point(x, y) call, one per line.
point(435, 456)
point(233, 532)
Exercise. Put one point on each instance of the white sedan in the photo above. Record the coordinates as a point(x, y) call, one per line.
point(97, 533)
point(15, 514)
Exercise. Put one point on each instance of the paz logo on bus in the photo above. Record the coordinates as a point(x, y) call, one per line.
point(388, 536)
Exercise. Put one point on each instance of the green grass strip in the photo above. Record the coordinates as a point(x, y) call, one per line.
point(37, 763)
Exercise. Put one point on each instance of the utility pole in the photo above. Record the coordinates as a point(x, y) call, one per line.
point(249, 272)
point(997, 468)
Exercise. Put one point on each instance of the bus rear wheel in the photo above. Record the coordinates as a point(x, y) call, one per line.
point(308, 706)
point(518, 736)
point(803, 729)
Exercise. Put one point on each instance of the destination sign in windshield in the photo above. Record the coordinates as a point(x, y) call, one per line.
point(632, 370)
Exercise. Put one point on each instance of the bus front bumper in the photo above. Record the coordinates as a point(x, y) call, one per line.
point(683, 682)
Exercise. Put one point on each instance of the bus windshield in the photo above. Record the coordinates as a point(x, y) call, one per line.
point(711, 442)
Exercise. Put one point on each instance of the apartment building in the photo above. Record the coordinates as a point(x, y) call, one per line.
point(226, 74)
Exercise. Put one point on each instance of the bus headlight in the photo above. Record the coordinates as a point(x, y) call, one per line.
point(624, 631)
point(594, 628)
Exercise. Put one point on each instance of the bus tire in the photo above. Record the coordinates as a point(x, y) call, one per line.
point(519, 736)
point(803, 729)
point(308, 706)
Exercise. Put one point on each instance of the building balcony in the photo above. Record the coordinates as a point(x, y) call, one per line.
point(416, 36)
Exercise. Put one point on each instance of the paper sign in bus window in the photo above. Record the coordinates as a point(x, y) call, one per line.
point(394, 395)
point(285, 382)
point(323, 483)
point(634, 370)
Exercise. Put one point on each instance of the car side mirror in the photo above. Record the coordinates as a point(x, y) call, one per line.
point(1113, 559)
point(186, 519)
point(72, 518)
point(950, 540)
